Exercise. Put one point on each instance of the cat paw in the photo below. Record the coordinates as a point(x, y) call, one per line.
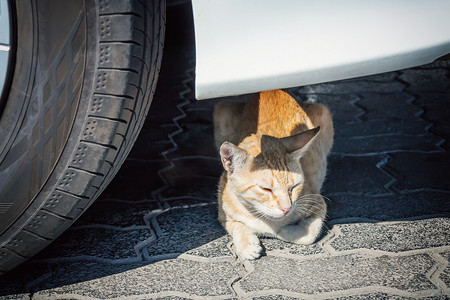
point(312, 227)
point(248, 247)
point(305, 232)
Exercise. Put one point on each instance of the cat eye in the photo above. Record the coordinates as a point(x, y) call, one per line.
point(266, 189)
point(294, 187)
point(291, 189)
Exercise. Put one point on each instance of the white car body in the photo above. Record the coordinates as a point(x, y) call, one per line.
point(245, 46)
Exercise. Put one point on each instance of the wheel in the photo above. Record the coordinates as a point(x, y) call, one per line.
point(83, 74)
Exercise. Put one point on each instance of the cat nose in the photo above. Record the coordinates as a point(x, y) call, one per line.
point(285, 210)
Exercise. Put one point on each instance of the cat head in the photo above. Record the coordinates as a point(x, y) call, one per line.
point(264, 172)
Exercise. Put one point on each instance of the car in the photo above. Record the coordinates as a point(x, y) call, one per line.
point(77, 78)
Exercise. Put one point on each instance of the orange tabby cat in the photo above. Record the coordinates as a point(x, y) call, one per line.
point(274, 154)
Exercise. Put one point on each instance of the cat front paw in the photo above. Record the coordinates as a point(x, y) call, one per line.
point(248, 247)
point(305, 232)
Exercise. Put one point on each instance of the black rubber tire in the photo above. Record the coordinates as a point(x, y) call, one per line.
point(85, 73)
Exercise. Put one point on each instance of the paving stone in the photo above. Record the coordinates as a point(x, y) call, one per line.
point(339, 273)
point(393, 237)
point(197, 141)
point(120, 281)
point(187, 167)
point(373, 128)
point(367, 296)
point(174, 71)
point(192, 230)
point(347, 120)
point(392, 109)
point(445, 275)
point(386, 143)
point(414, 170)
point(442, 63)
point(349, 87)
point(384, 77)
point(376, 296)
point(183, 298)
point(71, 275)
point(18, 283)
point(163, 112)
point(153, 142)
point(154, 150)
point(342, 107)
point(197, 189)
point(136, 180)
point(199, 114)
point(105, 243)
point(355, 174)
point(173, 197)
point(278, 246)
point(433, 98)
point(426, 80)
point(15, 297)
point(388, 207)
point(390, 113)
point(204, 104)
point(389, 120)
point(171, 298)
point(194, 177)
point(437, 111)
point(274, 297)
point(439, 116)
point(115, 213)
point(385, 114)
point(214, 249)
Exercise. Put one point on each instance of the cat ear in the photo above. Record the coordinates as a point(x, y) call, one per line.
point(298, 144)
point(232, 156)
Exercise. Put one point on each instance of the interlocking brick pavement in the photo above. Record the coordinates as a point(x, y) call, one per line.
point(154, 233)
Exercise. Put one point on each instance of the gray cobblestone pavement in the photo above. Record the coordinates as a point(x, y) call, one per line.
point(154, 234)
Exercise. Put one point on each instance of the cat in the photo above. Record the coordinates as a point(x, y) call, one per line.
point(274, 154)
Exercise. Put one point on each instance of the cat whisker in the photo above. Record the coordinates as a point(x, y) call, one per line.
point(310, 214)
point(257, 214)
point(310, 207)
point(310, 198)
point(314, 195)
point(325, 197)
point(306, 200)
point(311, 203)
point(313, 208)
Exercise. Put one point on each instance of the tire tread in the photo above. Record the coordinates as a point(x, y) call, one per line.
point(127, 30)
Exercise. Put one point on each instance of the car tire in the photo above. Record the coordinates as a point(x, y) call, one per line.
point(83, 76)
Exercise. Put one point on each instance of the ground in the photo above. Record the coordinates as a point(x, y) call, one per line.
point(154, 234)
